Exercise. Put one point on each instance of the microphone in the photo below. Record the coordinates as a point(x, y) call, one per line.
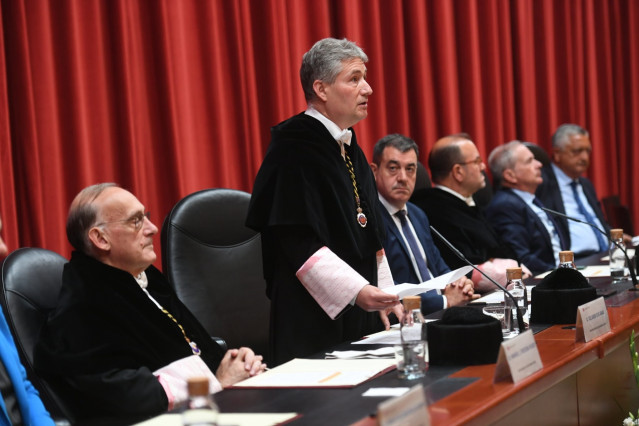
point(520, 320)
point(605, 234)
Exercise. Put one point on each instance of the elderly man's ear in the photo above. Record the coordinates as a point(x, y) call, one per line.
point(99, 238)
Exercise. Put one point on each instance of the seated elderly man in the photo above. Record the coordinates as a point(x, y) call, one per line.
point(517, 214)
point(119, 343)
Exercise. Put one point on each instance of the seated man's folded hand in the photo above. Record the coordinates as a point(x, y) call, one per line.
point(238, 365)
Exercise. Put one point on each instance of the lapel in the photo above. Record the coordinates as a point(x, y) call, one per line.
point(419, 229)
point(392, 228)
point(536, 220)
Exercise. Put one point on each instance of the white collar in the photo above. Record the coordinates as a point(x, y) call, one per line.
point(142, 280)
point(392, 210)
point(343, 135)
point(468, 200)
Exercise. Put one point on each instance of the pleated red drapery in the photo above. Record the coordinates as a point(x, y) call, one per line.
point(169, 97)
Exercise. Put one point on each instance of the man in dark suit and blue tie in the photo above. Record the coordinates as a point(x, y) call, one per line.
point(410, 250)
point(565, 190)
point(517, 214)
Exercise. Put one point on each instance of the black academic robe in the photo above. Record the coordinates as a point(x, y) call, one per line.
point(303, 199)
point(464, 226)
point(106, 337)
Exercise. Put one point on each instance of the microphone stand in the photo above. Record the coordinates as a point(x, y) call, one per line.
point(520, 320)
point(633, 276)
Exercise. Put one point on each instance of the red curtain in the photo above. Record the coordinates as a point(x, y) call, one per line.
point(169, 97)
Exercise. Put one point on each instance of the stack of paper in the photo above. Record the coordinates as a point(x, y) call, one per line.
point(317, 373)
point(385, 352)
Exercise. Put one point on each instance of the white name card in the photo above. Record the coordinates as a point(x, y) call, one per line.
point(518, 358)
point(408, 409)
point(592, 320)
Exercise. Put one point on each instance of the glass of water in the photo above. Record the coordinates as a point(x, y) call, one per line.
point(498, 312)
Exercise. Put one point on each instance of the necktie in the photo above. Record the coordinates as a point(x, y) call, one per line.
point(414, 248)
point(582, 209)
point(563, 242)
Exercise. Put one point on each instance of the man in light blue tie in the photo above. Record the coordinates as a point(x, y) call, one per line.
point(565, 190)
point(516, 214)
point(410, 250)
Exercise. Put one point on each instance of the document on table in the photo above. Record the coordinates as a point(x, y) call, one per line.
point(235, 419)
point(438, 283)
point(588, 271)
point(498, 296)
point(319, 373)
point(386, 337)
point(383, 352)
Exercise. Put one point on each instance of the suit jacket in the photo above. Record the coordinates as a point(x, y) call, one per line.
point(31, 408)
point(519, 224)
point(465, 227)
point(550, 194)
point(398, 254)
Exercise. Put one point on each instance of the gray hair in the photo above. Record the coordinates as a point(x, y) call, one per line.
point(400, 142)
point(502, 158)
point(82, 216)
point(324, 62)
point(562, 136)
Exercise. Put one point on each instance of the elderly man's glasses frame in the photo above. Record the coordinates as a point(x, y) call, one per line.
point(137, 220)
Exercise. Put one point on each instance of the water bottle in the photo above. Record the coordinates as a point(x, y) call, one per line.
point(567, 260)
point(617, 258)
point(518, 290)
point(412, 331)
point(201, 409)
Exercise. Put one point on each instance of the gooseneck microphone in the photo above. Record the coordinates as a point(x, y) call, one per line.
point(520, 320)
point(605, 234)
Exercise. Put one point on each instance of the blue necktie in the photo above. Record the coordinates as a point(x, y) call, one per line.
point(563, 242)
point(582, 209)
point(412, 242)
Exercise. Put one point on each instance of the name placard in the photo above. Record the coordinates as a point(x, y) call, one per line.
point(592, 320)
point(518, 358)
point(408, 409)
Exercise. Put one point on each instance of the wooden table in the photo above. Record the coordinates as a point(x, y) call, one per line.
point(580, 383)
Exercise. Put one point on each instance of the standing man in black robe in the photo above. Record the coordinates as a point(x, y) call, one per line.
point(315, 203)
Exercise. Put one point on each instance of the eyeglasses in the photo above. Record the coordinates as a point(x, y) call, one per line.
point(477, 161)
point(137, 220)
point(578, 151)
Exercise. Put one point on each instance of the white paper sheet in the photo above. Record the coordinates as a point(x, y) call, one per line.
point(498, 296)
point(235, 419)
point(438, 283)
point(317, 373)
point(385, 352)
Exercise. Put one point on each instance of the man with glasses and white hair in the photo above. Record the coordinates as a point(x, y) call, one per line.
point(120, 344)
point(565, 190)
point(457, 173)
